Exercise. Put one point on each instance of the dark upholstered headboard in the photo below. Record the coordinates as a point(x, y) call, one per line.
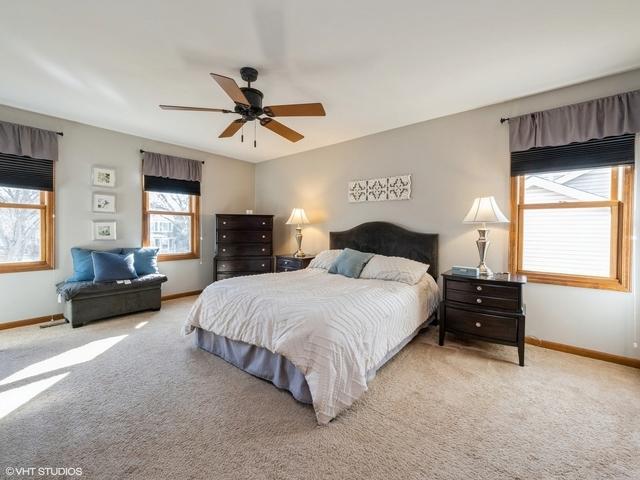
point(391, 240)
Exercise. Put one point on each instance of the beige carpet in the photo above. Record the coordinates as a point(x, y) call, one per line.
point(151, 406)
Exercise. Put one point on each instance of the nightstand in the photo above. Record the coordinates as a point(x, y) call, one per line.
point(289, 263)
point(488, 309)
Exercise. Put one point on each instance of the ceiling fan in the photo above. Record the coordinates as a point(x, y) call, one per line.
point(248, 102)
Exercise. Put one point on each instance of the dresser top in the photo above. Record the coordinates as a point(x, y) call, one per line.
point(505, 278)
point(243, 215)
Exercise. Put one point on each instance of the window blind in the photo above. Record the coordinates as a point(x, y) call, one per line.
point(606, 152)
point(26, 172)
point(171, 185)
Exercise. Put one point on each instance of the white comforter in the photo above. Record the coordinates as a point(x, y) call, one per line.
point(334, 329)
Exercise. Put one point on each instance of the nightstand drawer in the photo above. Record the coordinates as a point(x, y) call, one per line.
point(261, 265)
point(290, 263)
point(482, 324)
point(507, 304)
point(225, 236)
point(480, 288)
point(240, 250)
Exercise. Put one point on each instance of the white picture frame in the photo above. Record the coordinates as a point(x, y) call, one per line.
point(103, 202)
point(104, 230)
point(103, 177)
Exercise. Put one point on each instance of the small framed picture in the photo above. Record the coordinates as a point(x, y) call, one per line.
point(104, 203)
point(104, 230)
point(103, 177)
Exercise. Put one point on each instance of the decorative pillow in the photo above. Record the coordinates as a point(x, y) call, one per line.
point(325, 259)
point(397, 269)
point(109, 267)
point(145, 259)
point(83, 264)
point(350, 263)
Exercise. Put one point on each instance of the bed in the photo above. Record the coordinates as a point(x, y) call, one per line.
point(321, 336)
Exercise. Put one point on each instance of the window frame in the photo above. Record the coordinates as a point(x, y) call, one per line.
point(194, 213)
point(47, 235)
point(621, 234)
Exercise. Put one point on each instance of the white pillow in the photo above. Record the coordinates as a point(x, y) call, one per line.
point(325, 259)
point(397, 269)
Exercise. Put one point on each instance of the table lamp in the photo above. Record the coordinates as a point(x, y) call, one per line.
point(484, 210)
point(298, 217)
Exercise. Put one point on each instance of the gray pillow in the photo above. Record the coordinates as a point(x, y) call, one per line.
point(350, 263)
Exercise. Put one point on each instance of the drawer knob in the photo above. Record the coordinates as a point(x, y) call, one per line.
point(264, 236)
point(224, 236)
point(264, 223)
point(478, 300)
point(479, 288)
point(262, 265)
point(222, 265)
point(263, 249)
point(286, 262)
point(478, 324)
point(224, 223)
point(224, 249)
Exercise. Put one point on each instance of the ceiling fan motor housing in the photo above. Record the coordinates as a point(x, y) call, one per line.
point(254, 97)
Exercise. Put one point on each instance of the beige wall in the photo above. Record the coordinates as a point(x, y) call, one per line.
point(227, 186)
point(451, 160)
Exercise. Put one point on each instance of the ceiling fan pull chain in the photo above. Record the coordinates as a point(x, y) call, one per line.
point(255, 135)
point(242, 134)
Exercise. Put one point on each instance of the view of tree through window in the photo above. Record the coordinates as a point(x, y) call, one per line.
point(20, 226)
point(170, 232)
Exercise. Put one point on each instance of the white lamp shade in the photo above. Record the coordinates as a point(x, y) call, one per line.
point(298, 217)
point(485, 210)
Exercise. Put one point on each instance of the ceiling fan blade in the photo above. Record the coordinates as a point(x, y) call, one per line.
point(231, 88)
point(280, 129)
point(233, 127)
point(295, 110)
point(193, 109)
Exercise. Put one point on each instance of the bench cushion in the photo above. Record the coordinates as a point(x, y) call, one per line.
point(69, 290)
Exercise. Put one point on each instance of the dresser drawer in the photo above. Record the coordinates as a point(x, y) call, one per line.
point(222, 276)
point(471, 298)
point(244, 222)
point(257, 264)
point(481, 288)
point(481, 324)
point(225, 236)
point(241, 250)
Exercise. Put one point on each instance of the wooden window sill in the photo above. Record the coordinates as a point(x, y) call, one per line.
point(24, 267)
point(179, 256)
point(599, 283)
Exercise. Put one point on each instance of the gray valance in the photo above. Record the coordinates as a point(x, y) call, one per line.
point(166, 166)
point(26, 141)
point(605, 117)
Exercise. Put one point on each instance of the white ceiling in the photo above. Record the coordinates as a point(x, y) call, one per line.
point(374, 64)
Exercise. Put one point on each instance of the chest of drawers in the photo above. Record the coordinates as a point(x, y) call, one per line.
point(244, 245)
point(489, 309)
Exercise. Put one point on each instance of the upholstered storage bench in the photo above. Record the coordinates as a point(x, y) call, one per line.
point(88, 301)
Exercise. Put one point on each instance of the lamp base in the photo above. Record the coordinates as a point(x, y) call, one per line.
point(484, 271)
point(299, 253)
point(483, 246)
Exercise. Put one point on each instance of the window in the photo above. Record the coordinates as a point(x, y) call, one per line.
point(573, 227)
point(171, 223)
point(26, 229)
